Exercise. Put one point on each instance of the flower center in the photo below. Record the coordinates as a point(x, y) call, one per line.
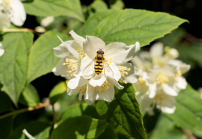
point(159, 98)
point(82, 89)
point(100, 89)
point(124, 71)
point(81, 52)
point(7, 6)
point(179, 73)
point(162, 78)
point(72, 67)
point(141, 83)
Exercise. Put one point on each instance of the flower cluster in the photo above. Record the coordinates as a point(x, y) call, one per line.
point(160, 78)
point(92, 68)
point(11, 11)
point(1, 50)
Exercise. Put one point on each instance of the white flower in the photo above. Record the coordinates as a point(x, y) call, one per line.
point(47, 21)
point(103, 92)
point(161, 100)
point(11, 11)
point(71, 54)
point(115, 54)
point(1, 50)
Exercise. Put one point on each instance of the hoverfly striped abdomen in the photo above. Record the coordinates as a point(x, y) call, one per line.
point(99, 61)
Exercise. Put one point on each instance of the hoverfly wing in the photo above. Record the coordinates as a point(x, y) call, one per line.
point(107, 70)
point(89, 69)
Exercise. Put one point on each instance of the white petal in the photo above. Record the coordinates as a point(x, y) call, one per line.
point(1, 50)
point(152, 90)
point(182, 66)
point(132, 51)
point(116, 51)
point(91, 45)
point(4, 22)
point(87, 65)
point(77, 82)
point(116, 72)
point(90, 94)
point(114, 82)
point(108, 94)
point(76, 37)
point(169, 90)
point(18, 14)
point(145, 103)
point(54, 69)
point(137, 62)
point(85, 62)
point(156, 50)
point(181, 82)
point(62, 50)
point(97, 80)
point(168, 110)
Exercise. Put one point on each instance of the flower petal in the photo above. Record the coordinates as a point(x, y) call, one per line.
point(90, 94)
point(108, 94)
point(97, 80)
point(77, 82)
point(91, 45)
point(169, 90)
point(152, 90)
point(132, 51)
point(181, 82)
point(137, 62)
point(156, 50)
point(1, 50)
point(114, 82)
point(168, 105)
point(72, 91)
point(18, 14)
point(4, 22)
point(77, 38)
point(116, 51)
point(116, 72)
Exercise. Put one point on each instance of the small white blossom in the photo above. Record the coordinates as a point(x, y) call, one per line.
point(47, 21)
point(11, 11)
point(160, 78)
point(1, 50)
point(27, 134)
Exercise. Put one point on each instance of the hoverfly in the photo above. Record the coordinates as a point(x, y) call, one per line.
point(99, 63)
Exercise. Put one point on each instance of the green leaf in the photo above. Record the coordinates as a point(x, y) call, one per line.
point(97, 6)
point(42, 59)
point(79, 128)
point(29, 96)
point(79, 110)
point(71, 8)
point(14, 63)
point(6, 127)
point(109, 133)
point(130, 26)
point(5, 103)
point(39, 130)
point(165, 129)
point(188, 113)
point(91, 24)
point(123, 113)
point(116, 4)
point(57, 92)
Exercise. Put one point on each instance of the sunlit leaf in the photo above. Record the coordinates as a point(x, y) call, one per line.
point(71, 8)
point(96, 6)
point(57, 92)
point(29, 96)
point(123, 113)
point(166, 129)
point(14, 63)
point(131, 25)
point(42, 59)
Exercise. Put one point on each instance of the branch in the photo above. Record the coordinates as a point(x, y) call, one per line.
point(188, 134)
point(24, 110)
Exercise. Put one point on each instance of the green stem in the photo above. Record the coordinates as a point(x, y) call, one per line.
point(24, 110)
